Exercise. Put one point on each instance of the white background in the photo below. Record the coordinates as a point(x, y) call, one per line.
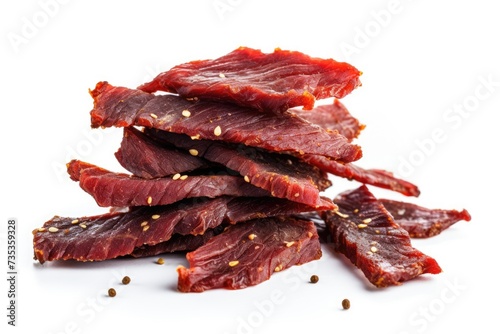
point(423, 61)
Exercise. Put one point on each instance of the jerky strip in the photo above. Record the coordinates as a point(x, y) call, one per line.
point(119, 106)
point(421, 222)
point(247, 254)
point(268, 82)
point(365, 232)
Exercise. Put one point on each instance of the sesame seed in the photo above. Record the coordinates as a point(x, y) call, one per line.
point(74, 221)
point(144, 223)
point(41, 229)
point(246, 178)
point(195, 137)
point(369, 253)
point(340, 214)
point(53, 229)
point(183, 177)
point(176, 176)
point(309, 234)
point(222, 75)
point(150, 200)
point(153, 115)
point(373, 243)
point(155, 216)
point(217, 131)
point(193, 152)
point(278, 268)
point(145, 228)
point(401, 212)
point(367, 220)
point(356, 210)
point(160, 261)
point(377, 231)
point(373, 249)
point(111, 292)
point(234, 263)
point(252, 236)
point(362, 225)
point(186, 113)
point(296, 195)
point(83, 225)
point(289, 244)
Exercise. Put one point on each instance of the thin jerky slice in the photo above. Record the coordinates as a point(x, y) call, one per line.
point(110, 235)
point(269, 82)
point(375, 177)
point(366, 233)
point(146, 158)
point(421, 222)
point(282, 175)
point(122, 190)
point(247, 254)
point(121, 107)
point(333, 117)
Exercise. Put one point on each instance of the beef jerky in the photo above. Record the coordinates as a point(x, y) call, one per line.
point(366, 233)
point(121, 107)
point(333, 117)
point(421, 222)
point(268, 82)
point(282, 175)
point(146, 158)
point(375, 177)
point(115, 234)
point(247, 254)
point(122, 190)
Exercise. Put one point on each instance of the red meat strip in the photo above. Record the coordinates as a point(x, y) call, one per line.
point(247, 254)
point(111, 235)
point(123, 190)
point(365, 232)
point(282, 175)
point(333, 117)
point(146, 158)
point(121, 107)
point(421, 222)
point(376, 177)
point(269, 82)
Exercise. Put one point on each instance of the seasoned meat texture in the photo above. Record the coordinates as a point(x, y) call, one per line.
point(146, 158)
point(267, 82)
point(375, 177)
point(110, 235)
point(119, 106)
point(366, 233)
point(421, 222)
point(333, 117)
point(123, 190)
point(281, 175)
point(247, 254)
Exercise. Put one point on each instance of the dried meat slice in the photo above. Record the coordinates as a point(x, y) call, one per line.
point(121, 107)
point(366, 233)
point(333, 117)
point(421, 222)
point(146, 158)
point(282, 175)
point(115, 234)
point(249, 253)
point(375, 177)
point(123, 190)
point(268, 82)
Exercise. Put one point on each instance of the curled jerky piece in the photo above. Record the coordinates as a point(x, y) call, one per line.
point(247, 254)
point(281, 175)
point(122, 190)
point(111, 235)
point(365, 232)
point(120, 107)
point(421, 222)
point(269, 82)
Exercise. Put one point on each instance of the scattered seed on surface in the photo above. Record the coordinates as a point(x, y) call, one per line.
point(195, 137)
point(176, 176)
point(222, 75)
point(193, 152)
point(314, 279)
point(234, 263)
point(150, 200)
point(346, 304)
point(126, 280)
point(340, 214)
point(155, 216)
point(362, 225)
point(278, 268)
point(373, 249)
point(145, 228)
point(186, 113)
point(153, 115)
point(83, 226)
point(111, 292)
point(246, 178)
point(252, 236)
point(144, 223)
point(309, 234)
point(296, 195)
point(53, 229)
point(217, 131)
point(356, 210)
point(183, 177)
point(160, 261)
point(74, 221)
point(41, 229)
point(367, 220)
point(290, 243)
